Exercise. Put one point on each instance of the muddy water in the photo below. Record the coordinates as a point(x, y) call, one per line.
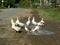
point(9, 37)
point(50, 25)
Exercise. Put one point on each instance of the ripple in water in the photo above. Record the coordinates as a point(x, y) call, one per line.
point(44, 32)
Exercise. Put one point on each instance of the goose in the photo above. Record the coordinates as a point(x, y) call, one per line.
point(19, 23)
point(26, 29)
point(36, 28)
point(28, 22)
point(42, 20)
point(41, 23)
point(33, 21)
point(16, 28)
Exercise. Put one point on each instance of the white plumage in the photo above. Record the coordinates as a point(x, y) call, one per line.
point(36, 28)
point(33, 21)
point(26, 29)
point(41, 22)
point(14, 26)
point(28, 22)
point(19, 23)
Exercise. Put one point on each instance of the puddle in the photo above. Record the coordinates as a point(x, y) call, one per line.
point(44, 32)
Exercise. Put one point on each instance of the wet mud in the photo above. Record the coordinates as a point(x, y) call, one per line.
point(9, 37)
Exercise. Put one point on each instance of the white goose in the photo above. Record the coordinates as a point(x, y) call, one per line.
point(42, 20)
point(16, 28)
point(41, 23)
point(19, 23)
point(28, 22)
point(26, 29)
point(33, 21)
point(36, 28)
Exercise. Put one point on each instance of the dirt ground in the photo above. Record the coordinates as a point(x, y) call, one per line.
point(9, 37)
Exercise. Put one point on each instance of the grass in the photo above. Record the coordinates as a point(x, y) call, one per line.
point(51, 13)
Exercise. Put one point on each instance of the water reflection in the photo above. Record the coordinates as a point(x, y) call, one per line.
point(43, 32)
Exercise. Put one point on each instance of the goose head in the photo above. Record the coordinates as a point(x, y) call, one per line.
point(42, 20)
point(12, 22)
point(33, 21)
point(28, 21)
point(17, 21)
point(29, 18)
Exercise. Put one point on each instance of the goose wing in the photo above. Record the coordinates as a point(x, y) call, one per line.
point(16, 28)
point(36, 28)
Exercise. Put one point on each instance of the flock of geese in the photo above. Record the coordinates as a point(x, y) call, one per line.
point(17, 25)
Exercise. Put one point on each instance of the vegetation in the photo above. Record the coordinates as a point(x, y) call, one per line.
point(7, 2)
point(0, 2)
point(50, 13)
point(53, 3)
point(26, 3)
point(44, 12)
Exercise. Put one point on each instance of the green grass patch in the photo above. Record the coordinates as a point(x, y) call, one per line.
point(52, 13)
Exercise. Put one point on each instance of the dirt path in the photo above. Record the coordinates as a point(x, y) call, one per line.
point(8, 13)
point(9, 37)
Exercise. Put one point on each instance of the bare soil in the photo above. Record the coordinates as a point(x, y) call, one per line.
point(9, 37)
